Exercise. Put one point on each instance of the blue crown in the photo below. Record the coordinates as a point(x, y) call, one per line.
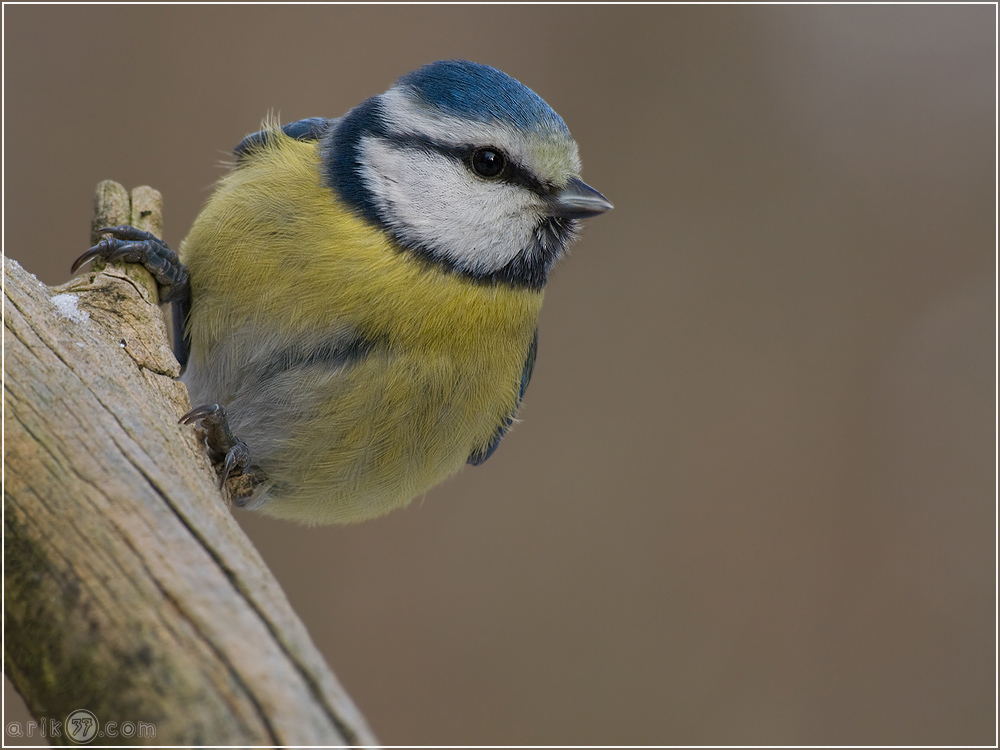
point(479, 92)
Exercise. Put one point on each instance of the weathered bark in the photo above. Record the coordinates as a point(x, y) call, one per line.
point(130, 591)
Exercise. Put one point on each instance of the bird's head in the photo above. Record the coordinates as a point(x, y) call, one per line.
point(466, 167)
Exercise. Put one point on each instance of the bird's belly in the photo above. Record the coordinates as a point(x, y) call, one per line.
point(346, 443)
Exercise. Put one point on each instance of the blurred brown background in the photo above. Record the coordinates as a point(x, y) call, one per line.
point(752, 497)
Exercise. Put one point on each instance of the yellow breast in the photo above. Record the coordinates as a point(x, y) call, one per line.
point(276, 259)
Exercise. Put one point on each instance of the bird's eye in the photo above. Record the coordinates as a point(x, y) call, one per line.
point(487, 162)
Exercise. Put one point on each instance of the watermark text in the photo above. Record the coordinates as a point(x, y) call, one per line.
point(80, 727)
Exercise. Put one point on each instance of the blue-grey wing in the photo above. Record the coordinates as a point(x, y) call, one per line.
point(479, 456)
point(310, 129)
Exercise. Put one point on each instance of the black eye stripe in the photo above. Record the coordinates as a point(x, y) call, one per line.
point(514, 173)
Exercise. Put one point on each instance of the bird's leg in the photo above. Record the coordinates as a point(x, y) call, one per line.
point(222, 444)
point(132, 245)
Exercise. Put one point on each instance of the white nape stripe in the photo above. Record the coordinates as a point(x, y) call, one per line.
point(404, 114)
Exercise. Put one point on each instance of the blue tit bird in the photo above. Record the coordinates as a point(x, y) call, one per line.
point(360, 296)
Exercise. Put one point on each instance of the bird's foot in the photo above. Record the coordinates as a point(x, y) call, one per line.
point(224, 447)
point(135, 246)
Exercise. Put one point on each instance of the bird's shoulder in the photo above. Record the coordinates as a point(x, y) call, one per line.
point(309, 129)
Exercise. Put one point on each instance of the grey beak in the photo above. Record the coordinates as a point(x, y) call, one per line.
point(578, 200)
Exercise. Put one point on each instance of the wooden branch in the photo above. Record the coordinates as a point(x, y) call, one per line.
point(130, 591)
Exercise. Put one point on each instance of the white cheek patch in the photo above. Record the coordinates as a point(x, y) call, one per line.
point(434, 202)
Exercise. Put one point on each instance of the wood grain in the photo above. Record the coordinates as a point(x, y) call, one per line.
point(130, 591)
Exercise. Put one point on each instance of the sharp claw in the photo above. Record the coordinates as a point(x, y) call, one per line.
point(228, 467)
point(236, 457)
point(109, 249)
point(85, 258)
point(199, 412)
